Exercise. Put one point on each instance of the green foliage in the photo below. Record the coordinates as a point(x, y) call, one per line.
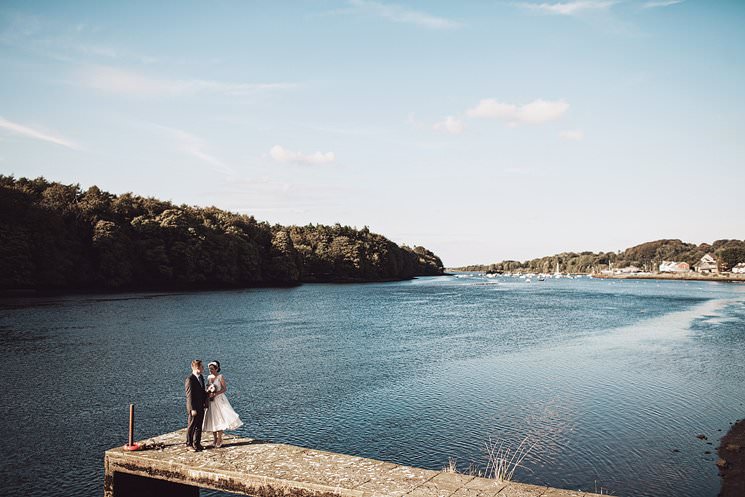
point(729, 253)
point(341, 253)
point(647, 256)
point(286, 263)
point(56, 236)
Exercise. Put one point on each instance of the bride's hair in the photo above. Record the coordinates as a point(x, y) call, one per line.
point(216, 364)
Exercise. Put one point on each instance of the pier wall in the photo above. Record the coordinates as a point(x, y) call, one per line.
point(246, 466)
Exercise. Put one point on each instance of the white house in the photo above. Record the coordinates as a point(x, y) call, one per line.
point(674, 267)
point(739, 269)
point(707, 265)
point(627, 270)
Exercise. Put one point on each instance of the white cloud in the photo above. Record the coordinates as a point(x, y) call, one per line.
point(280, 154)
point(572, 135)
point(489, 108)
point(570, 8)
point(536, 112)
point(661, 3)
point(450, 124)
point(416, 123)
point(119, 81)
point(59, 41)
point(398, 13)
point(196, 147)
point(190, 144)
point(22, 130)
point(540, 111)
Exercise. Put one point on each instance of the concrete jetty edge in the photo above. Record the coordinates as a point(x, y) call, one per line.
point(258, 468)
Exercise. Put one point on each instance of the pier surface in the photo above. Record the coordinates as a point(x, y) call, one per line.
point(263, 469)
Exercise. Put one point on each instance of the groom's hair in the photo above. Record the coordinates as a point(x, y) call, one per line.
point(195, 363)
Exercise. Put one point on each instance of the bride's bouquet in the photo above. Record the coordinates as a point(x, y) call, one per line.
point(211, 390)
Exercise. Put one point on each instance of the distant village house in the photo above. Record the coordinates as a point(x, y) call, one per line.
point(674, 267)
point(739, 269)
point(707, 265)
point(627, 270)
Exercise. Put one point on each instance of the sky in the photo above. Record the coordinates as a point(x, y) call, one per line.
point(484, 130)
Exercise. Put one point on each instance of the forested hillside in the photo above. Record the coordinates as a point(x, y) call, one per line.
point(647, 256)
point(59, 237)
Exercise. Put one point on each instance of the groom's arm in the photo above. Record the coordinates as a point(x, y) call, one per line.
point(187, 387)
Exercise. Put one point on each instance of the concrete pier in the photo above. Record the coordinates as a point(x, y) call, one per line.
point(261, 469)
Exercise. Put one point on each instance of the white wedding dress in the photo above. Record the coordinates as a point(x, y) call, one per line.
point(220, 415)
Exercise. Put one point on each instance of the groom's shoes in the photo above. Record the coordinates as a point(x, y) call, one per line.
point(192, 448)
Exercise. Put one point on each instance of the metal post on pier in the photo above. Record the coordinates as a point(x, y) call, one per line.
point(131, 445)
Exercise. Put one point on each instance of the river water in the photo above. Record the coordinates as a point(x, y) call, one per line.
point(611, 380)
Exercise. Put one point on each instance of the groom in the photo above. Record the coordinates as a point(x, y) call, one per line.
point(196, 403)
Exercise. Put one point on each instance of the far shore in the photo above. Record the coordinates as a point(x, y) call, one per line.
point(674, 276)
point(724, 277)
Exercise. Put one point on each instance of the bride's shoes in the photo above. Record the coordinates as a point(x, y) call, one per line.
point(218, 440)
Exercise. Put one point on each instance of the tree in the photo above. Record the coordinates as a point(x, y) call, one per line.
point(730, 256)
point(56, 236)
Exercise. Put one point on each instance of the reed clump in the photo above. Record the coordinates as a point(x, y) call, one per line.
point(503, 458)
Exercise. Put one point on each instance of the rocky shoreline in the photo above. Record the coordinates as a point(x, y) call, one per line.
point(731, 461)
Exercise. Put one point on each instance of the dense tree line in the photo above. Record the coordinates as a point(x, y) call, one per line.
point(60, 237)
point(647, 256)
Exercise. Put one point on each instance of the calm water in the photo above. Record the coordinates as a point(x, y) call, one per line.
point(612, 379)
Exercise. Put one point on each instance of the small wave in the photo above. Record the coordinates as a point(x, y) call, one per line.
point(717, 320)
point(413, 301)
point(673, 326)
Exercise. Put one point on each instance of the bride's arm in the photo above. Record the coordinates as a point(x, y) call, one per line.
point(223, 386)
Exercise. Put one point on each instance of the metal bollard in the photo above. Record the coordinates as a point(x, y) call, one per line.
point(131, 445)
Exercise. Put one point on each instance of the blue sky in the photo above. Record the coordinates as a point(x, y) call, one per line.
point(482, 130)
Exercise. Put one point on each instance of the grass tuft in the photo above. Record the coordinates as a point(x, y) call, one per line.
point(503, 458)
point(451, 466)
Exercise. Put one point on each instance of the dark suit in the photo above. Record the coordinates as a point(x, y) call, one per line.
point(196, 400)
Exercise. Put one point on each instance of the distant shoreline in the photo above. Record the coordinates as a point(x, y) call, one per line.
point(674, 276)
point(738, 278)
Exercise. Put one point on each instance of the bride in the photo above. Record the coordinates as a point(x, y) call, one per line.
point(220, 416)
